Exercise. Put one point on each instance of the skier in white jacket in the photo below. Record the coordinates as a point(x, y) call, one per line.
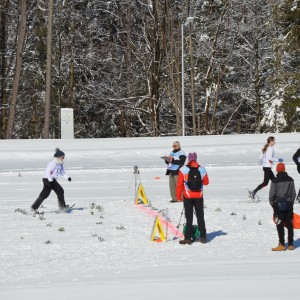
point(267, 160)
point(53, 170)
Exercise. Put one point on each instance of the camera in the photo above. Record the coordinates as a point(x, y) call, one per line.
point(136, 170)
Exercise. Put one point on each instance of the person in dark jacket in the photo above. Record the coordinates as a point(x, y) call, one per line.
point(282, 196)
point(296, 159)
point(192, 199)
point(175, 161)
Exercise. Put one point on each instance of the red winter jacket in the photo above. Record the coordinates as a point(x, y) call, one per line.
point(182, 188)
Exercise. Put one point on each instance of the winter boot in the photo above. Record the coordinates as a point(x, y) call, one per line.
point(280, 247)
point(35, 211)
point(252, 194)
point(291, 247)
point(64, 207)
point(183, 242)
point(203, 240)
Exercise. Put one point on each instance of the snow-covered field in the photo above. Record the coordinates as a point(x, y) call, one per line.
point(109, 255)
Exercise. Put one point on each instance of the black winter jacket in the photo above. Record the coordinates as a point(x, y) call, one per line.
point(296, 159)
point(282, 187)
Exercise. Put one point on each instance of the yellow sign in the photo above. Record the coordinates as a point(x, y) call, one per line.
point(141, 196)
point(157, 227)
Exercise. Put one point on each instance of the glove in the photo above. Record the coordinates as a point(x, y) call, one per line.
point(280, 160)
point(298, 168)
point(69, 179)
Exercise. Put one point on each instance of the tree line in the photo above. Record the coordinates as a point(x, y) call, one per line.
point(126, 67)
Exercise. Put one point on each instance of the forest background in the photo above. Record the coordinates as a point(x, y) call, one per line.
point(118, 64)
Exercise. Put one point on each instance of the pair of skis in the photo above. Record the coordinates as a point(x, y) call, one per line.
point(60, 211)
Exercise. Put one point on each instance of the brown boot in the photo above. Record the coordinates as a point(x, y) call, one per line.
point(291, 247)
point(183, 242)
point(280, 247)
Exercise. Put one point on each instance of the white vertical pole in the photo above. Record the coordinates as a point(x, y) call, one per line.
point(67, 123)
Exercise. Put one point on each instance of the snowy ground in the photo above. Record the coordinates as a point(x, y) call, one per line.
point(95, 259)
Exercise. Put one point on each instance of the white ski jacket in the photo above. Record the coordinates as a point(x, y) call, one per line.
point(54, 169)
point(268, 158)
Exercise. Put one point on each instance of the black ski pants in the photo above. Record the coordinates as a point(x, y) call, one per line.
point(189, 205)
point(286, 218)
point(268, 175)
point(48, 187)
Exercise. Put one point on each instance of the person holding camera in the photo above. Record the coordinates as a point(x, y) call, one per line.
point(175, 161)
point(281, 197)
point(53, 170)
point(296, 159)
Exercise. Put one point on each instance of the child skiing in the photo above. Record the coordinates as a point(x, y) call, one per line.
point(53, 170)
point(267, 159)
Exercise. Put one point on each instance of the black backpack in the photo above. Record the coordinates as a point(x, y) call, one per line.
point(194, 182)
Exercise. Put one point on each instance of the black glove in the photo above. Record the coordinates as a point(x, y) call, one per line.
point(298, 168)
point(69, 179)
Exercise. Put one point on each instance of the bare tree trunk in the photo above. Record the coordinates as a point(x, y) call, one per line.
point(192, 84)
point(155, 70)
point(16, 80)
point(257, 86)
point(128, 64)
point(170, 46)
point(209, 71)
point(3, 97)
point(128, 52)
point(48, 71)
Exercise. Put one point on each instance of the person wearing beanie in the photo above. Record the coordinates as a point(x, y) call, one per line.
point(53, 170)
point(281, 197)
point(190, 183)
point(59, 153)
point(296, 159)
point(267, 160)
point(174, 161)
point(280, 167)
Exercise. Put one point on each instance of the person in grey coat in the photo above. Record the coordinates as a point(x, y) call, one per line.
point(282, 197)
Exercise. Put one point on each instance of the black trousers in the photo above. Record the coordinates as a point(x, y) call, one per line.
point(286, 219)
point(268, 175)
point(189, 205)
point(48, 187)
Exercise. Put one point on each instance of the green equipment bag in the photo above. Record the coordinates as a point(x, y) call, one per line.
point(195, 232)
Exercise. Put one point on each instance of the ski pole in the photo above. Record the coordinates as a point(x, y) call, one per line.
point(175, 237)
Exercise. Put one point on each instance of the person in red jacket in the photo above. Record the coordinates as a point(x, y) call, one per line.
point(192, 198)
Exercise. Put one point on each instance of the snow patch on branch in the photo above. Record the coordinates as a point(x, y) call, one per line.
point(274, 116)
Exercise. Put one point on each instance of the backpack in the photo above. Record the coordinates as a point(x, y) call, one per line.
point(194, 181)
